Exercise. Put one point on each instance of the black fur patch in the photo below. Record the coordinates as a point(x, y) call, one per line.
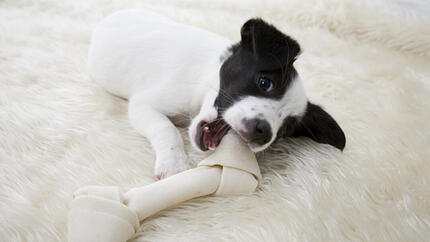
point(316, 124)
point(262, 51)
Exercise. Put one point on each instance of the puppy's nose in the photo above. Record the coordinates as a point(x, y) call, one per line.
point(258, 131)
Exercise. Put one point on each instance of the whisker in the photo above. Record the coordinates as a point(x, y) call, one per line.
point(304, 125)
point(226, 126)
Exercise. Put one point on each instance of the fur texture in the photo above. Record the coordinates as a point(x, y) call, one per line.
point(365, 62)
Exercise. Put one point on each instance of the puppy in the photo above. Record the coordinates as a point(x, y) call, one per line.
point(166, 69)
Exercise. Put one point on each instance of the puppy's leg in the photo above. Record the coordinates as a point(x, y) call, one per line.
point(163, 136)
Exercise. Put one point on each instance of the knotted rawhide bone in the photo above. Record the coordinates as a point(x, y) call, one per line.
point(104, 213)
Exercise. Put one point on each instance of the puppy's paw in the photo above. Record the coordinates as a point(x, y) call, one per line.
point(170, 165)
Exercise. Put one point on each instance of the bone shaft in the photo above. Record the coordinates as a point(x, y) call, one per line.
point(150, 199)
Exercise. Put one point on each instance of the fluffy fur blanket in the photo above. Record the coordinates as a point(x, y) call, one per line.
point(366, 62)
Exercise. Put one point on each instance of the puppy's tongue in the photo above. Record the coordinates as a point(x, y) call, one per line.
point(214, 132)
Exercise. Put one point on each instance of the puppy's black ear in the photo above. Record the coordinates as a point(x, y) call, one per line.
point(247, 35)
point(265, 41)
point(316, 124)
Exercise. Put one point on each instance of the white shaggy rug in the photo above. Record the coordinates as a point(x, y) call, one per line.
point(366, 62)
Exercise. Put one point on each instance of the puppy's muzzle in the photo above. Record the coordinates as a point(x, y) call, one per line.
point(258, 131)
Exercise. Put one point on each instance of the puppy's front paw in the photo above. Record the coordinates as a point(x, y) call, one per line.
point(170, 165)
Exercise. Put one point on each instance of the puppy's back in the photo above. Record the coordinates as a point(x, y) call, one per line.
point(133, 47)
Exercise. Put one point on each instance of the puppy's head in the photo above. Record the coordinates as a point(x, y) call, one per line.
point(261, 96)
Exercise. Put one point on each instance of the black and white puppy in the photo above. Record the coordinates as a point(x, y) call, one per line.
point(166, 69)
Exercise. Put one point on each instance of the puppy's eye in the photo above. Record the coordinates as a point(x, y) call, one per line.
point(265, 84)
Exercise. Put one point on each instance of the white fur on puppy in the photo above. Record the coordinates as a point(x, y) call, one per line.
point(155, 64)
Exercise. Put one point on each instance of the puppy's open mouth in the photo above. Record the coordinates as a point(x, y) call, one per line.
point(209, 135)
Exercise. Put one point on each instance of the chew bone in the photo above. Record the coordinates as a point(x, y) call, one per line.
point(100, 213)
